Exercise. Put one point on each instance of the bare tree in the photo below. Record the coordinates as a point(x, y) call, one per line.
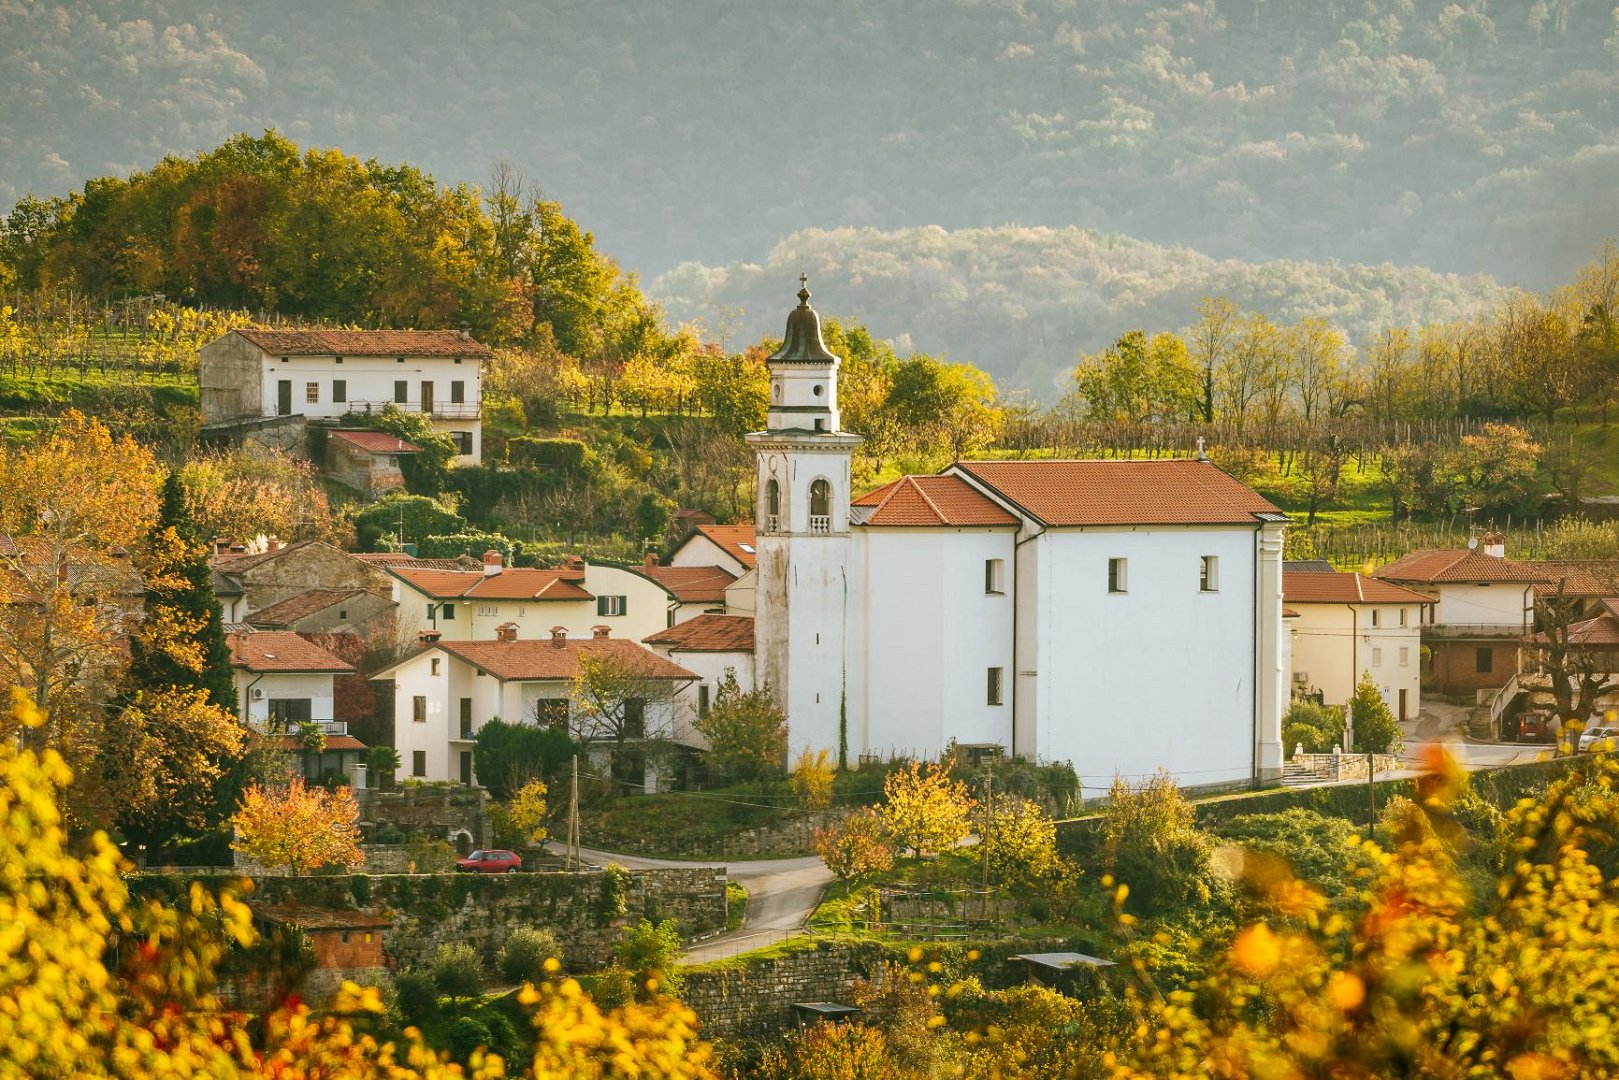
point(1578, 674)
point(620, 699)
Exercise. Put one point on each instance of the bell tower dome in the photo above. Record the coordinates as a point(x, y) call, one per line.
point(803, 374)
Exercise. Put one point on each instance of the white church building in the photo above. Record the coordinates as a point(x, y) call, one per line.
point(1121, 615)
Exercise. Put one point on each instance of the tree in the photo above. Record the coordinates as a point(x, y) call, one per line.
point(1497, 467)
point(1019, 841)
point(856, 846)
point(402, 518)
point(1138, 380)
point(651, 953)
point(297, 827)
point(1150, 843)
point(164, 763)
point(812, 778)
point(248, 492)
point(746, 731)
point(924, 810)
point(618, 699)
point(1211, 339)
point(507, 756)
point(457, 971)
point(1375, 729)
point(528, 812)
point(1317, 728)
point(1579, 675)
point(940, 406)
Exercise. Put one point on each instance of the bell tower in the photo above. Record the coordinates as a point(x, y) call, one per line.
point(802, 544)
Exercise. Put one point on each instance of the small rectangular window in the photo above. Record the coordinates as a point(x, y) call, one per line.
point(1117, 575)
point(612, 605)
point(463, 442)
point(432, 609)
point(1208, 579)
point(1377, 657)
point(340, 390)
point(447, 612)
point(702, 700)
point(994, 576)
point(1484, 660)
point(435, 665)
point(401, 392)
point(418, 709)
point(312, 393)
point(993, 695)
point(1375, 620)
point(1403, 616)
point(418, 763)
point(458, 391)
point(1405, 656)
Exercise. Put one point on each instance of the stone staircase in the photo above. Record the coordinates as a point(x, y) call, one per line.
point(1311, 769)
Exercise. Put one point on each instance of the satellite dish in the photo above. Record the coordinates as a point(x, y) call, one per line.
point(1472, 543)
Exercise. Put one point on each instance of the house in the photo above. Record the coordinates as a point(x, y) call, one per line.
point(247, 375)
point(698, 590)
point(1348, 625)
point(1122, 615)
point(283, 571)
point(285, 682)
point(367, 461)
point(446, 691)
point(347, 945)
point(710, 647)
point(730, 547)
point(325, 611)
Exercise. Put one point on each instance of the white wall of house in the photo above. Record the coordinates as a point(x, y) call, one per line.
point(739, 595)
point(431, 735)
point(1504, 606)
point(924, 634)
point(711, 668)
point(1161, 675)
point(1333, 644)
point(699, 550)
point(254, 692)
point(648, 606)
point(476, 620)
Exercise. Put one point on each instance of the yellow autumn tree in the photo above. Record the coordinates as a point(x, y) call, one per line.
point(924, 810)
point(812, 777)
point(163, 754)
point(297, 827)
point(527, 811)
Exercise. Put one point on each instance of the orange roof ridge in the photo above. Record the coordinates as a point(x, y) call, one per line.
point(922, 491)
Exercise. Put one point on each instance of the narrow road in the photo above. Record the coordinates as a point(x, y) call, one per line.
point(782, 894)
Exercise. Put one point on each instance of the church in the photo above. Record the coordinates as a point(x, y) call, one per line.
point(1120, 615)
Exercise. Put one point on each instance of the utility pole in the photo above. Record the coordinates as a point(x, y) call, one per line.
point(1371, 793)
point(573, 819)
point(983, 839)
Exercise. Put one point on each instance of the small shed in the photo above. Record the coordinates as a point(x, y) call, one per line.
point(810, 1013)
point(1068, 972)
point(367, 461)
point(346, 944)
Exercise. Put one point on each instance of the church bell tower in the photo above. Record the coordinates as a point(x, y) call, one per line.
point(802, 544)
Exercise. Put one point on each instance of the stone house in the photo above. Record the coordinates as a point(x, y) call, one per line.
point(367, 461)
point(284, 571)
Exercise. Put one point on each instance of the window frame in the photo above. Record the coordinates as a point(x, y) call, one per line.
point(994, 577)
point(1118, 575)
point(418, 763)
point(340, 391)
point(995, 686)
point(418, 708)
point(1208, 574)
point(311, 393)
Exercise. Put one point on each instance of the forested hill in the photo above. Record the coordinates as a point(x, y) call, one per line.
point(1463, 136)
point(1023, 303)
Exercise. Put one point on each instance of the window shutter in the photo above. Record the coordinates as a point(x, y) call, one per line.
point(601, 605)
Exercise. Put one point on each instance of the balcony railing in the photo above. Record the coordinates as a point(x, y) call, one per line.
point(772, 523)
point(1474, 630)
point(820, 524)
point(441, 410)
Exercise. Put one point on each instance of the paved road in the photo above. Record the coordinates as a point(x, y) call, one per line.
point(782, 893)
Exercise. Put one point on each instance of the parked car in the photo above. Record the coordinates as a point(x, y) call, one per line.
point(494, 861)
point(1596, 739)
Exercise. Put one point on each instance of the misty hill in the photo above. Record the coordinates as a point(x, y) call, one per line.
point(1023, 303)
point(1464, 137)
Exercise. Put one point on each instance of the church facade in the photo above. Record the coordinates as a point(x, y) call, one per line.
point(1121, 615)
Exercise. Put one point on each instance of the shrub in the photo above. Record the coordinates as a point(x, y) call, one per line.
point(525, 953)
point(467, 1035)
point(1313, 846)
point(925, 810)
point(507, 756)
point(502, 1035)
point(416, 996)
point(1318, 728)
point(430, 855)
point(457, 972)
point(563, 455)
point(1020, 842)
point(1151, 843)
point(812, 778)
point(746, 730)
point(856, 846)
point(649, 953)
point(1376, 730)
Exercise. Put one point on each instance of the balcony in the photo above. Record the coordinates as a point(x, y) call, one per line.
point(441, 410)
point(772, 523)
point(1464, 631)
point(820, 524)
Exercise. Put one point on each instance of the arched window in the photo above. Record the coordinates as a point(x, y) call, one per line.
point(820, 507)
point(772, 506)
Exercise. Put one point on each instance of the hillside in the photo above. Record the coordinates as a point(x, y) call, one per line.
point(1023, 303)
point(1421, 132)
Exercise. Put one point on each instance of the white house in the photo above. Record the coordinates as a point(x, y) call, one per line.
point(730, 547)
point(711, 647)
point(697, 590)
point(1349, 625)
point(449, 689)
point(325, 374)
point(1124, 615)
point(284, 681)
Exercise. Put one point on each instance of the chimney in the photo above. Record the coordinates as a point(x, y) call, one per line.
point(493, 562)
point(559, 636)
point(238, 549)
point(273, 544)
point(428, 638)
point(1494, 544)
point(601, 633)
point(506, 632)
point(119, 552)
point(651, 560)
point(573, 568)
point(221, 545)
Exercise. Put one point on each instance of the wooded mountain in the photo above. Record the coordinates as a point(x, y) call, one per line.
point(1466, 137)
point(1024, 303)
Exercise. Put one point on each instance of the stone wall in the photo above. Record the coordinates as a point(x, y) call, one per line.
point(587, 911)
point(792, 837)
point(445, 811)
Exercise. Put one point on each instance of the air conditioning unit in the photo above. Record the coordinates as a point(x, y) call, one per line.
point(1301, 676)
point(257, 693)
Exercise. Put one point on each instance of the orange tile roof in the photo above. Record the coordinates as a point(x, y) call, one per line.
point(293, 608)
point(692, 584)
point(531, 660)
point(281, 651)
point(1316, 587)
point(377, 442)
point(932, 500)
point(295, 743)
point(707, 633)
point(1438, 566)
point(512, 583)
point(405, 559)
point(737, 540)
point(1580, 577)
point(1601, 630)
point(366, 343)
point(1170, 491)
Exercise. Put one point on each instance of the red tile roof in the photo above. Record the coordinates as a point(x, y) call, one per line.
point(1434, 566)
point(293, 608)
point(1601, 630)
point(405, 559)
point(529, 660)
point(295, 743)
point(1315, 587)
point(707, 633)
point(281, 651)
point(512, 583)
point(377, 442)
point(1171, 491)
point(932, 500)
point(366, 343)
point(736, 540)
point(692, 584)
point(1583, 577)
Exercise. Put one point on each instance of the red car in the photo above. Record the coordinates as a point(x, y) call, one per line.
point(497, 861)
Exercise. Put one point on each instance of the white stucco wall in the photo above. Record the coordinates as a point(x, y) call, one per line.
point(255, 692)
point(1162, 675)
point(1503, 606)
point(699, 550)
point(710, 667)
point(740, 594)
point(1334, 643)
point(648, 604)
point(412, 678)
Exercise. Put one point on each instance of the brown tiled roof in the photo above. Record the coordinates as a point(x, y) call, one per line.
point(692, 584)
point(732, 538)
point(1441, 566)
point(530, 660)
point(707, 633)
point(377, 442)
point(236, 563)
point(1583, 577)
point(932, 500)
point(1177, 491)
point(294, 743)
point(366, 343)
point(290, 610)
point(512, 583)
point(405, 559)
point(1315, 587)
point(281, 650)
point(1602, 630)
point(320, 918)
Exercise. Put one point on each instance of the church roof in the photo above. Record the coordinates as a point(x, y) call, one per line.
point(932, 500)
point(1167, 491)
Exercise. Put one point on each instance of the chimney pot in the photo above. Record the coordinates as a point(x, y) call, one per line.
point(506, 632)
point(428, 638)
point(238, 549)
point(1494, 544)
point(601, 632)
point(493, 563)
point(559, 636)
point(273, 544)
point(221, 545)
